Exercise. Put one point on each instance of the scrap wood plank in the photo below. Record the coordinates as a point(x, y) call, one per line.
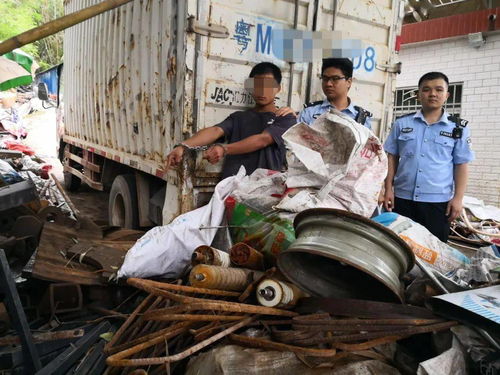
point(123, 235)
point(102, 258)
point(51, 263)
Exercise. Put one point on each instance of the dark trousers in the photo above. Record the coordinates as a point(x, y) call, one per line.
point(430, 215)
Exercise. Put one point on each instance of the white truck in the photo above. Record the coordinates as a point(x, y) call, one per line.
point(145, 76)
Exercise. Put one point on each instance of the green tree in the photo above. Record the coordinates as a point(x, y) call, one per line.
point(18, 16)
point(50, 49)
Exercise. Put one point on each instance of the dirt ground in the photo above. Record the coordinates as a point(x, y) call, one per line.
point(41, 127)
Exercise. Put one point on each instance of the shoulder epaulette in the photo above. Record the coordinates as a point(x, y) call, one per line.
point(312, 104)
point(405, 115)
point(460, 124)
point(362, 115)
point(458, 121)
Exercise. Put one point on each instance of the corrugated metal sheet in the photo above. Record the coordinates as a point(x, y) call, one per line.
point(120, 79)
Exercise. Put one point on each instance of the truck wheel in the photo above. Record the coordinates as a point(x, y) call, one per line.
point(123, 210)
point(71, 182)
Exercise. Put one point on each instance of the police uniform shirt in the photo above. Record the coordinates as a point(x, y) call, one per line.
point(312, 112)
point(427, 155)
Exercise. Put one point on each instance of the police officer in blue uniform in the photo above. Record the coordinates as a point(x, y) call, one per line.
point(428, 155)
point(336, 78)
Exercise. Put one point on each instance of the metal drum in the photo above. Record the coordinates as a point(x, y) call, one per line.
point(344, 255)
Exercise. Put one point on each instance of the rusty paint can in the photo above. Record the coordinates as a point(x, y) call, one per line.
point(211, 256)
point(243, 255)
point(276, 293)
point(222, 278)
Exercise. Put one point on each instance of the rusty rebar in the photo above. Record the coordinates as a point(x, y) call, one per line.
point(304, 321)
point(215, 306)
point(267, 344)
point(141, 326)
point(39, 337)
point(117, 358)
point(120, 360)
point(196, 317)
point(244, 308)
point(184, 288)
point(127, 323)
point(301, 337)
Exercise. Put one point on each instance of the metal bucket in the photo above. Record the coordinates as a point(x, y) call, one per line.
point(343, 255)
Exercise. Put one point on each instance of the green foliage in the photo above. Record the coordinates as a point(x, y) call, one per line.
point(50, 49)
point(18, 16)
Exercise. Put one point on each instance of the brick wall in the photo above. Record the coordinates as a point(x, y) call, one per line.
point(479, 70)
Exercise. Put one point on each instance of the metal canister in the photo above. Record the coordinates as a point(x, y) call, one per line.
point(276, 293)
point(211, 256)
point(216, 277)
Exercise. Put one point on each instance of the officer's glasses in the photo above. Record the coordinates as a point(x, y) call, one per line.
point(332, 79)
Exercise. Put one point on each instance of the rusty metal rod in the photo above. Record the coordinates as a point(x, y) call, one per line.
point(244, 308)
point(39, 337)
point(107, 312)
point(148, 337)
point(174, 330)
point(196, 317)
point(208, 306)
point(208, 330)
point(350, 328)
point(367, 322)
point(127, 323)
point(267, 344)
point(334, 340)
point(70, 204)
point(119, 359)
point(139, 340)
point(183, 288)
point(141, 325)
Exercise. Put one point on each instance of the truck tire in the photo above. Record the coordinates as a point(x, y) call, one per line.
point(123, 211)
point(71, 182)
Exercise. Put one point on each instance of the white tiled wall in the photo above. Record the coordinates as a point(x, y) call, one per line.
point(479, 70)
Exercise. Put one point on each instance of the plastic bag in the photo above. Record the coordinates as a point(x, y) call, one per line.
point(269, 233)
point(8, 175)
point(261, 190)
point(438, 255)
point(333, 165)
point(166, 250)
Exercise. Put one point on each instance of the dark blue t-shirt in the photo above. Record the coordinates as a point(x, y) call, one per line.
point(243, 124)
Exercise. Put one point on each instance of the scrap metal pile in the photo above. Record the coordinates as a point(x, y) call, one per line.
point(319, 299)
point(176, 321)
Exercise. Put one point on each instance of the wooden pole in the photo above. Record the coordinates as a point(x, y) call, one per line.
point(59, 24)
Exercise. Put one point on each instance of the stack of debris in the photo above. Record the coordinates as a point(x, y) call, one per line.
point(237, 299)
point(55, 275)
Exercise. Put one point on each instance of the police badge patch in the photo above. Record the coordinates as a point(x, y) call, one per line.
point(406, 130)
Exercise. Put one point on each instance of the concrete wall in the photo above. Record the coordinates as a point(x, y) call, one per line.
point(479, 70)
